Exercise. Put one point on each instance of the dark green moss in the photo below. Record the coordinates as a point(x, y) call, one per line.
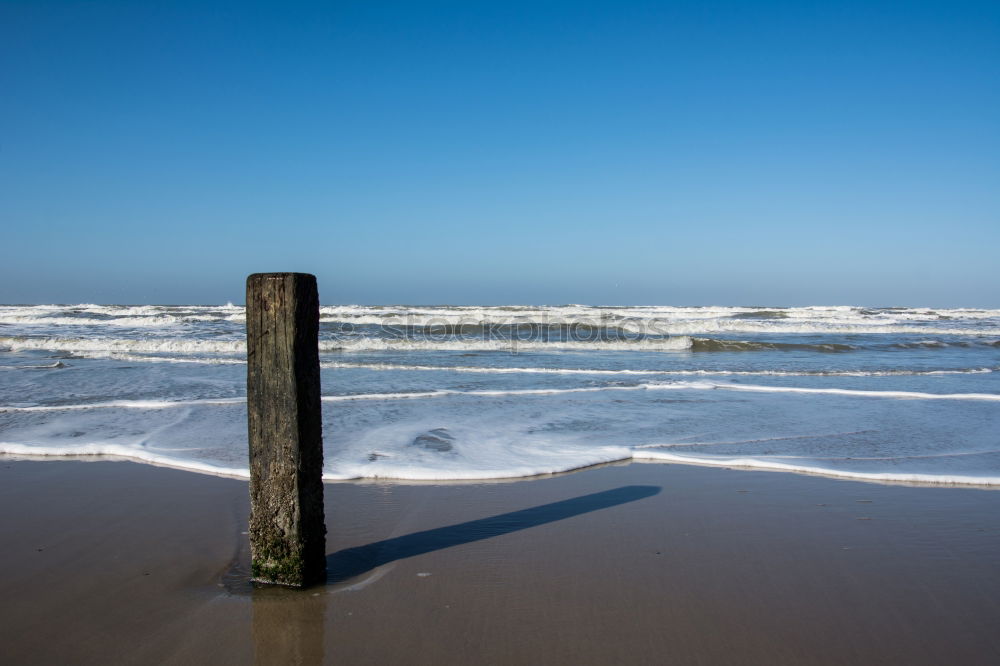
point(274, 563)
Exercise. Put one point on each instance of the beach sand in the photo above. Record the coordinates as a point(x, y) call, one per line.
point(116, 562)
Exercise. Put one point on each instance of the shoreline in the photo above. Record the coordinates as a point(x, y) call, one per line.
point(911, 480)
point(118, 562)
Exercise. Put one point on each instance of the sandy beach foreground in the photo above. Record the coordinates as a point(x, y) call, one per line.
point(115, 562)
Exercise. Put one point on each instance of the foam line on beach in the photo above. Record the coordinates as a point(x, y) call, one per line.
point(357, 471)
point(120, 452)
point(344, 470)
point(775, 466)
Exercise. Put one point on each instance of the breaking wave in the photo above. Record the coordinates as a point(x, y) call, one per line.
point(152, 345)
point(601, 392)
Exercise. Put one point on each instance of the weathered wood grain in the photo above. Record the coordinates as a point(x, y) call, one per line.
point(287, 527)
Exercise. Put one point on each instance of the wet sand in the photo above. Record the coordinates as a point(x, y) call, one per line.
point(116, 562)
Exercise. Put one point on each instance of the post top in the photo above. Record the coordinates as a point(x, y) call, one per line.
point(279, 276)
point(304, 279)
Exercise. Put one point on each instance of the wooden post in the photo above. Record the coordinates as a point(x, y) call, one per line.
point(287, 527)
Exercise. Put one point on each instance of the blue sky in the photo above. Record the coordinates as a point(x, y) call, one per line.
point(780, 153)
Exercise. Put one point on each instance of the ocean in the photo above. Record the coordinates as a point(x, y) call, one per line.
point(449, 393)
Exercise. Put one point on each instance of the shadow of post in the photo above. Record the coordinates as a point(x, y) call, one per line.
point(350, 562)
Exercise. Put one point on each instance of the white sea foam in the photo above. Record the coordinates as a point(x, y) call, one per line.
point(441, 393)
point(776, 466)
point(360, 344)
point(527, 465)
point(124, 404)
point(150, 358)
point(666, 320)
point(162, 345)
point(349, 397)
point(121, 452)
point(626, 372)
point(471, 344)
point(505, 426)
point(494, 394)
point(157, 321)
point(520, 465)
point(434, 315)
point(901, 395)
point(672, 386)
point(671, 327)
point(512, 465)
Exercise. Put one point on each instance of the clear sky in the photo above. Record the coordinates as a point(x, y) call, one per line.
point(738, 153)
